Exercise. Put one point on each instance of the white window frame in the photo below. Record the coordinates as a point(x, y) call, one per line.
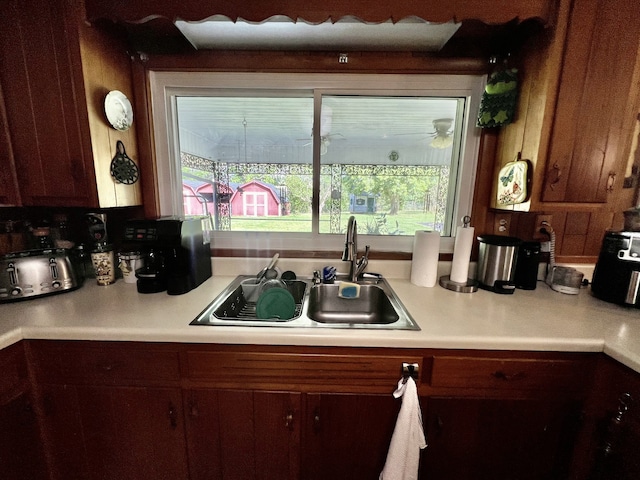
point(165, 86)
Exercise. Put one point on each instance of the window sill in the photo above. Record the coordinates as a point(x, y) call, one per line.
point(314, 254)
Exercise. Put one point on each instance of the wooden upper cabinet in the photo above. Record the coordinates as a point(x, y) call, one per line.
point(55, 73)
point(587, 151)
point(579, 100)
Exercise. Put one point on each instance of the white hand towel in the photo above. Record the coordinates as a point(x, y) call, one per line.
point(408, 438)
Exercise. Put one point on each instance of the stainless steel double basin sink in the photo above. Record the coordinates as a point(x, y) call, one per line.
point(317, 306)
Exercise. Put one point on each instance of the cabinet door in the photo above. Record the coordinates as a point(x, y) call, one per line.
point(617, 457)
point(21, 454)
point(243, 435)
point(347, 436)
point(478, 439)
point(613, 449)
point(8, 181)
point(123, 433)
point(591, 116)
point(41, 79)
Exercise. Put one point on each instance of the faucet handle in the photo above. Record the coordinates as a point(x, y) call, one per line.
point(362, 263)
point(365, 257)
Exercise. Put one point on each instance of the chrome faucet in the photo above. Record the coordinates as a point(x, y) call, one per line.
point(356, 267)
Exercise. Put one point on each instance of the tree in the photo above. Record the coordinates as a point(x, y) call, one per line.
point(393, 190)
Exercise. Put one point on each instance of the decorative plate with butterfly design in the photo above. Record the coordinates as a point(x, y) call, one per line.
point(513, 183)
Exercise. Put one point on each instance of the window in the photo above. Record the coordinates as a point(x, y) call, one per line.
point(283, 160)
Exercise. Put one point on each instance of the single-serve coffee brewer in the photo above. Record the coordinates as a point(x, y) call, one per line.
point(176, 253)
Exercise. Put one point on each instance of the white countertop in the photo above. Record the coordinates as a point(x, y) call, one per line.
point(535, 320)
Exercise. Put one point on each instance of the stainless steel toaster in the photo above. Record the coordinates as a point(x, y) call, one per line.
point(33, 273)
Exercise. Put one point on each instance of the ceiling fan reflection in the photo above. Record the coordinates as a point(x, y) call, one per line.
point(442, 134)
point(325, 141)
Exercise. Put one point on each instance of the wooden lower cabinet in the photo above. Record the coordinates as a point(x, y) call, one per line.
point(492, 439)
point(617, 455)
point(612, 430)
point(242, 434)
point(114, 432)
point(111, 410)
point(346, 436)
point(267, 435)
point(21, 455)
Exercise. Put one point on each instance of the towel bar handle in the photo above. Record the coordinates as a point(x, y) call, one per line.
point(410, 370)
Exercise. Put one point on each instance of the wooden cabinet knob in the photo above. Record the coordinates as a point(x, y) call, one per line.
point(288, 421)
point(173, 416)
point(193, 408)
point(316, 421)
point(611, 180)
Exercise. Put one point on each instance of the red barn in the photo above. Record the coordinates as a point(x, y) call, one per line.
point(257, 199)
point(195, 194)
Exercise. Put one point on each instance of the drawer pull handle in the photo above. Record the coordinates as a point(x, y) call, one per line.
point(108, 367)
point(288, 421)
point(558, 172)
point(500, 375)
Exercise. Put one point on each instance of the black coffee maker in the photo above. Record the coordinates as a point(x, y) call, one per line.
point(176, 252)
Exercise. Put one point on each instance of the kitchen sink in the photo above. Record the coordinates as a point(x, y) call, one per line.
point(372, 306)
point(317, 306)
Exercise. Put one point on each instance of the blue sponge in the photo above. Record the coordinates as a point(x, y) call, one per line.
point(349, 290)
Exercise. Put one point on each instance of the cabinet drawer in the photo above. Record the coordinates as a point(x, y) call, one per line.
point(521, 373)
point(297, 368)
point(104, 363)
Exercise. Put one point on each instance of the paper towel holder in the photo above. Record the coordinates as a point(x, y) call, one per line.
point(470, 285)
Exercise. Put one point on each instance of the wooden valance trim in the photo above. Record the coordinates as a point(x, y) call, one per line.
point(316, 11)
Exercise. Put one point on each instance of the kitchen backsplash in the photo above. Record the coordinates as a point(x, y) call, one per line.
point(578, 235)
point(24, 228)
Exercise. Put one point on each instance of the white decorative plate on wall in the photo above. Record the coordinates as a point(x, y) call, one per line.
point(118, 110)
point(513, 183)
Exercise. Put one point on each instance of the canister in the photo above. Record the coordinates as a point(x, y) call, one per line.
point(129, 263)
point(102, 257)
point(497, 258)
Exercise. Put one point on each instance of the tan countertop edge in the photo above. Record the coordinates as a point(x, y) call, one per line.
point(534, 320)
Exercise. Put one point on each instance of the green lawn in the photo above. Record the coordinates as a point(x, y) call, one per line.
point(405, 223)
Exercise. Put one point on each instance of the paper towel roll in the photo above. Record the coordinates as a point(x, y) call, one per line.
point(424, 265)
point(462, 254)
